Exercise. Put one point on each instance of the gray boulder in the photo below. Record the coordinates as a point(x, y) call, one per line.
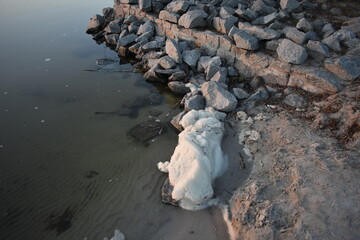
point(152, 46)
point(178, 76)
point(289, 5)
point(96, 23)
point(192, 19)
point(263, 20)
point(240, 93)
point(113, 27)
point(224, 25)
point(247, 14)
point(245, 41)
point(333, 41)
point(256, 82)
point(130, 19)
point(151, 75)
point(213, 67)
point(178, 6)
point(318, 50)
point(295, 35)
point(145, 5)
point(346, 67)
point(148, 26)
point(260, 95)
point(260, 33)
point(217, 97)
point(191, 57)
point(261, 7)
point(203, 63)
point(112, 39)
point(145, 37)
point(295, 100)
point(172, 50)
point(291, 52)
point(272, 45)
point(196, 102)
point(178, 87)
point(166, 62)
point(133, 28)
point(169, 16)
point(220, 76)
point(226, 12)
point(304, 25)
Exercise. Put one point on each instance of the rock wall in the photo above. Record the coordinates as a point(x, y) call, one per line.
point(289, 65)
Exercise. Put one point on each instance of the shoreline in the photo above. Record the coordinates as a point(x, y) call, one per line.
point(266, 86)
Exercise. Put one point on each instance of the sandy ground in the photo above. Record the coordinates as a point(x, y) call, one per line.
point(303, 182)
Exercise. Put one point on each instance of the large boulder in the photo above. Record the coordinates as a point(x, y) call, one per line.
point(192, 19)
point(196, 102)
point(179, 6)
point(148, 26)
point(291, 52)
point(96, 23)
point(260, 33)
point(224, 25)
point(169, 16)
point(333, 41)
point(166, 62)
point(172, 50)
point(145, 5)
point(127, 40)
point(318, 50)
point(295, 35)
point(346, 67)
point(245, 41)
point(304, 25)
point(113, 27)
point(289, 5)
point(191, 57)
point(217, 97)
point(212, 67)
point(261, 7)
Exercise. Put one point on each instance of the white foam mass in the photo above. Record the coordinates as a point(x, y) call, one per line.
point(198, 159)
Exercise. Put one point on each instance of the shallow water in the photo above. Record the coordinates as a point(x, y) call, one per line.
point(67, 173)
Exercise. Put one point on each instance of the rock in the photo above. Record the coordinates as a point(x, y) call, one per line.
point(318, 50)
point(196, 102)
point(289, 5)
point(245, 41)
point(263, 20)
point(167, 72)
point(113, 27)
point(178, 87)
point(152, 46)
point(178, 76)
point(295, 35)
point(145, 5)
point(260, 94)
point(229, 3)
point(96, 24)
point(220, 76)
point(272, 45)
point(151, 75)
point(212, 67)
point(311, 36)
point(178, 6)
point(108, 14)
point(128, 1)
point(146, 131)
point(261, 7)
point(333, 41)
point(346, 67)
point(240, 93)
point(203, 63)
point(290, 52)
point(148, 26)
point(192, 19)
point(172, 49)
point(191, 57)
point(184, 46)
point(304, 25)
point(335, 11)
point(328, 28)
point(260, 33)
point(247, 14)
point(353, 25)
point(217, 97)
point(169, 16)
point(112, 39)
point(226, 12)
point(133, 28)
point(256, 82)
point(232, 72)
point(295, 100)
point(130, 19)
point(176, 121)
point(145, 37)
point(166, 62)
point(314, 80)
point(123, 51)
point(224, 25)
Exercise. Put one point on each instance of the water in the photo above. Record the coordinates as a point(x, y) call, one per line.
point(67, 173)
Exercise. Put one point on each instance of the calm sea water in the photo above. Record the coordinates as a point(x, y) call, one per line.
point(65, 172)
